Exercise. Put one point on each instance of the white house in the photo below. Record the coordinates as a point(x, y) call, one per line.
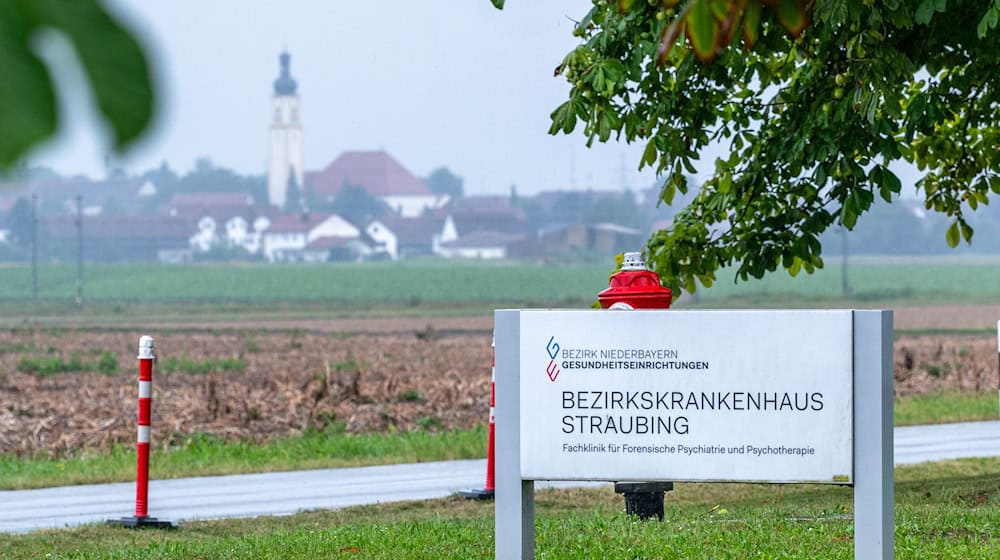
point(288, 236)
point(206, 236)
point(385, 239)
point(402, 237)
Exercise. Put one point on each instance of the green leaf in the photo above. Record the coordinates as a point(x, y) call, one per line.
point(989, 20)
point(563, 118)
point(792, 16)
point(702, 30)
point(795, 268)
point(668, 38)
point(648, 155)
point(668, 191)
point(751, 24)
point(887, 182)
point(926, 9)
point(498, 4)
point(966, 231)
point(849, 213)
point(951, 236)
point(891, 180)
point(27, 101)
point(112, 59)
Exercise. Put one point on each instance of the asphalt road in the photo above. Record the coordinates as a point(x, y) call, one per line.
point(288, 492)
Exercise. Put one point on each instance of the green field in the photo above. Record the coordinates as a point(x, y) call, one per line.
point(943, 510)
point(435, 283)
point(401, 284)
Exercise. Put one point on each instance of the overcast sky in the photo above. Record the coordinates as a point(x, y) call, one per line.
point(434, 82)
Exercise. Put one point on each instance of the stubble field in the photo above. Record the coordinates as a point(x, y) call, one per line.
point(260, 384)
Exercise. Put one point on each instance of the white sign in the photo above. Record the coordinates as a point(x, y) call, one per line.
point(686, 395)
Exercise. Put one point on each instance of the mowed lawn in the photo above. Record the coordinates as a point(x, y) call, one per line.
point(943, 510)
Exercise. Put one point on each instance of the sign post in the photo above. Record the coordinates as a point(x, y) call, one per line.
point(751, 396)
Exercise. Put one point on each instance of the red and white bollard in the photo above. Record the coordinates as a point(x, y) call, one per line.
point(487, 492)
point(141, 517)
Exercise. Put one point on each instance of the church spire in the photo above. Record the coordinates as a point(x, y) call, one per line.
point(285, 84)
point(285, 143)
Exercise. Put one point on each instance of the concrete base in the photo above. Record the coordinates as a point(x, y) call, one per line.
point(142, 522)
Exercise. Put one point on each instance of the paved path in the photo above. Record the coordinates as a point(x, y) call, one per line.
point(289, 492)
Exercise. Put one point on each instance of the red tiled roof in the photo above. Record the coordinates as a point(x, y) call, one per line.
point(376, 172)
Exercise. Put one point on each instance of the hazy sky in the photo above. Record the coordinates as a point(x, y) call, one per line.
point(434, 82)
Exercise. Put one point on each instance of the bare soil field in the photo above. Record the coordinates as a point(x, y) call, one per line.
point(424, 374)
point(928, 317)
point(290, 382)
point(947, 317)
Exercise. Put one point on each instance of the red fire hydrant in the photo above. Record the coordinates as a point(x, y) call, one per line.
point(637, 287)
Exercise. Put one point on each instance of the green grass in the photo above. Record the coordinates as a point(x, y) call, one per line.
point(185, 364)
point(939, 408)
point(204, 455)
point(45, 366)
point(944, 510)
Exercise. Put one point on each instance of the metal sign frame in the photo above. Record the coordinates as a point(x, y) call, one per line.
point(874, 519)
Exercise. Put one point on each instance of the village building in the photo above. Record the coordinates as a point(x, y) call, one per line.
point(402, 237)
point(381, 176)
point(483, 245)
point(289, 235)
point(118, 238)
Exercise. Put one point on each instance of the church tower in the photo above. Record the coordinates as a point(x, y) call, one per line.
point(285, 161)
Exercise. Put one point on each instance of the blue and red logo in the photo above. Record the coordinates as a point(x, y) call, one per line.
point(552, 349)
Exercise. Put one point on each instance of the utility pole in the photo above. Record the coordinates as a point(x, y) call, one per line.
point(34, 246)
point(78, 221)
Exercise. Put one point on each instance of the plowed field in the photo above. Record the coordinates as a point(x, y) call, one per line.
point(257, 385)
